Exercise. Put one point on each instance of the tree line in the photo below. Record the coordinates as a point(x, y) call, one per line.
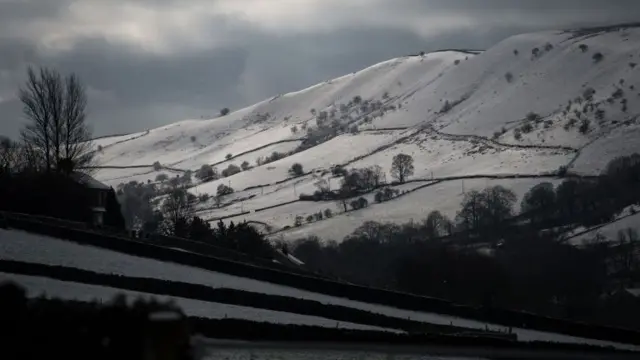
point(491, 255)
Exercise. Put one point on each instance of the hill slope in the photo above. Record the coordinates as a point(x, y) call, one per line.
point(527, 106)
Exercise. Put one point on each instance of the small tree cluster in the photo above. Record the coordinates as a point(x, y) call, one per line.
point(224, 190)
point(359, 203)
point(385, 194)
point(231, 170)
point(207, 173)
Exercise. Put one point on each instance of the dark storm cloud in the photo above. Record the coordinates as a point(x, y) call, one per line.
point(153, 62)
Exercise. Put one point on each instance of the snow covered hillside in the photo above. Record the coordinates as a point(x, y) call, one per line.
point(530, 105)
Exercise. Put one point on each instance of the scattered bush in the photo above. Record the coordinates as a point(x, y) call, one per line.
point(584, 126)
point(206, 173)
point(204, 197)
point(385, 194)
point(584, 48)
point(527, 128)
point(328, 213)
point(298, 221)
point(446, 107)
point(313, 112)
point(229, 156)
point(157, 166)
point(224, 190)
point(385, 95)
point(548, 47)
point(339, 170)
point(456, 62)
point(309, 219)
point(548, 124)
point(632, 65)
point(100, 148)
point(162, 177)
point(597, 57)
point(231, 170)
point(516, 52)
point(245, 165)
point(359, 203)
point(535, 52)
point(357, 99)
point(588, 93)
point(570, 124)
point(509, 77)
point(318, 216)
point(496, 135)
point(619, 93)
point(296, 170)
point(224, 112)
point(294, 129)
point(517, 134)
point(354, 129)
point(193, 138)
point(600, 114)
point(533, 117)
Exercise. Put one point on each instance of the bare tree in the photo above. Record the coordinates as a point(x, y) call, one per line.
point(55, 108)
point(402, 167)
point(178, 206)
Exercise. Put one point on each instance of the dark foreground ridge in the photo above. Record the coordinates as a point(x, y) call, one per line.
point(50, 328)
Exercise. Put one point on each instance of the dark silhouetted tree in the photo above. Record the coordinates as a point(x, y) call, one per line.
point(402, 167)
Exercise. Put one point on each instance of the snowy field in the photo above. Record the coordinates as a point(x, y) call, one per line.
point(20, 246)
point(50, 288)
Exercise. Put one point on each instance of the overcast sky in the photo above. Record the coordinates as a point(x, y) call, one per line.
point(146, 63)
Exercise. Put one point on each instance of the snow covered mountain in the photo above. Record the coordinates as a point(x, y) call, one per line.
point(531, 105)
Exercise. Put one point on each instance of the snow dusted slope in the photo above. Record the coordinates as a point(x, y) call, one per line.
point(530, 105)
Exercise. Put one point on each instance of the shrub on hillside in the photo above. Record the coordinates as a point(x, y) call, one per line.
point(309, 219)
point(328, 213)
point(206, 173)
point(516, 52)
point(517, 134)
point(245, 165)
point(527, 128)
point(231, 170)
point(509, 77)
point(296, 170)
point(570, 123)
point(162, 177)
point(535, 52)
point(157, 166)
point(597, 57)
point(548, 47)
point(224, 190)
point(531, 116)
point(583, 47)
point(584, 126)
point(224, 111)
point(588, 93)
